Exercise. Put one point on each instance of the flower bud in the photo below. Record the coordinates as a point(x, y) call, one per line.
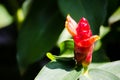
point(83, 40)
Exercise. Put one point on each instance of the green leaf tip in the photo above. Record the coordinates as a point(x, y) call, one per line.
point(50, 56)
point(20, 15)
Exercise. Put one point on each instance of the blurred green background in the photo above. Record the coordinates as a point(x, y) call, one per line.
point(30, 28)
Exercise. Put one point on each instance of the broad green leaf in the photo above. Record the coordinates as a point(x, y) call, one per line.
point(93, 10)
point(60, 71)
point(67, 71)
point(97, 74)
point(39, 32)
point(5, 18)
point(113, 67)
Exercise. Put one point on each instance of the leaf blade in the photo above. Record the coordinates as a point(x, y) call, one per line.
point(79, 8)
point(39, 32)
point(59, 71)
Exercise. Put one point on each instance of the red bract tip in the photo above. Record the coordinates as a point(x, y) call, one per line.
point(83, 40)
point(83, 29)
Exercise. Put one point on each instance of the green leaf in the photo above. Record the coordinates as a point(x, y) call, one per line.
point(39, 32)
point(60, 71)
point(11, 6)
point(97, 74)
point(26, 7)
point(112, 5)
point(113, 67)
point(67, 71)
point(65, 35)
point(50, 56)
point(100, 56)
point(67, 48)
point(115, 16)
point(93, 10)
point(5, 18)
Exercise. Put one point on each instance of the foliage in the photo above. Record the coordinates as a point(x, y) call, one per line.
point(40, 29)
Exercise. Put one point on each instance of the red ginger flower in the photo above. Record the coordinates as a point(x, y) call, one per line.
point(83, 40)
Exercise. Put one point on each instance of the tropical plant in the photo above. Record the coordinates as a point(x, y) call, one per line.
point(39, 31)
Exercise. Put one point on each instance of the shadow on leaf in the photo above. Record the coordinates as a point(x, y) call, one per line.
point(65, 65)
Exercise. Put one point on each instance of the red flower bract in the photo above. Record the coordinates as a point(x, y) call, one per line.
point(83, 40)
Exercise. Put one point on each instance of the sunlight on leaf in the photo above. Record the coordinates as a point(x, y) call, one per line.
point(104, 30)
point(98, 45)
point(97, 74)
point(5, 18)
point(50, 56)
point(115, 17)
point(20, 17)
point(26, 7)
point(65, 35)
point(60, 71)
point(67, 71)
point(113, 67)
point(67, 48)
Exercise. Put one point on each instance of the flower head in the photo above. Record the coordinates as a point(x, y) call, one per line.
point(83, 40)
